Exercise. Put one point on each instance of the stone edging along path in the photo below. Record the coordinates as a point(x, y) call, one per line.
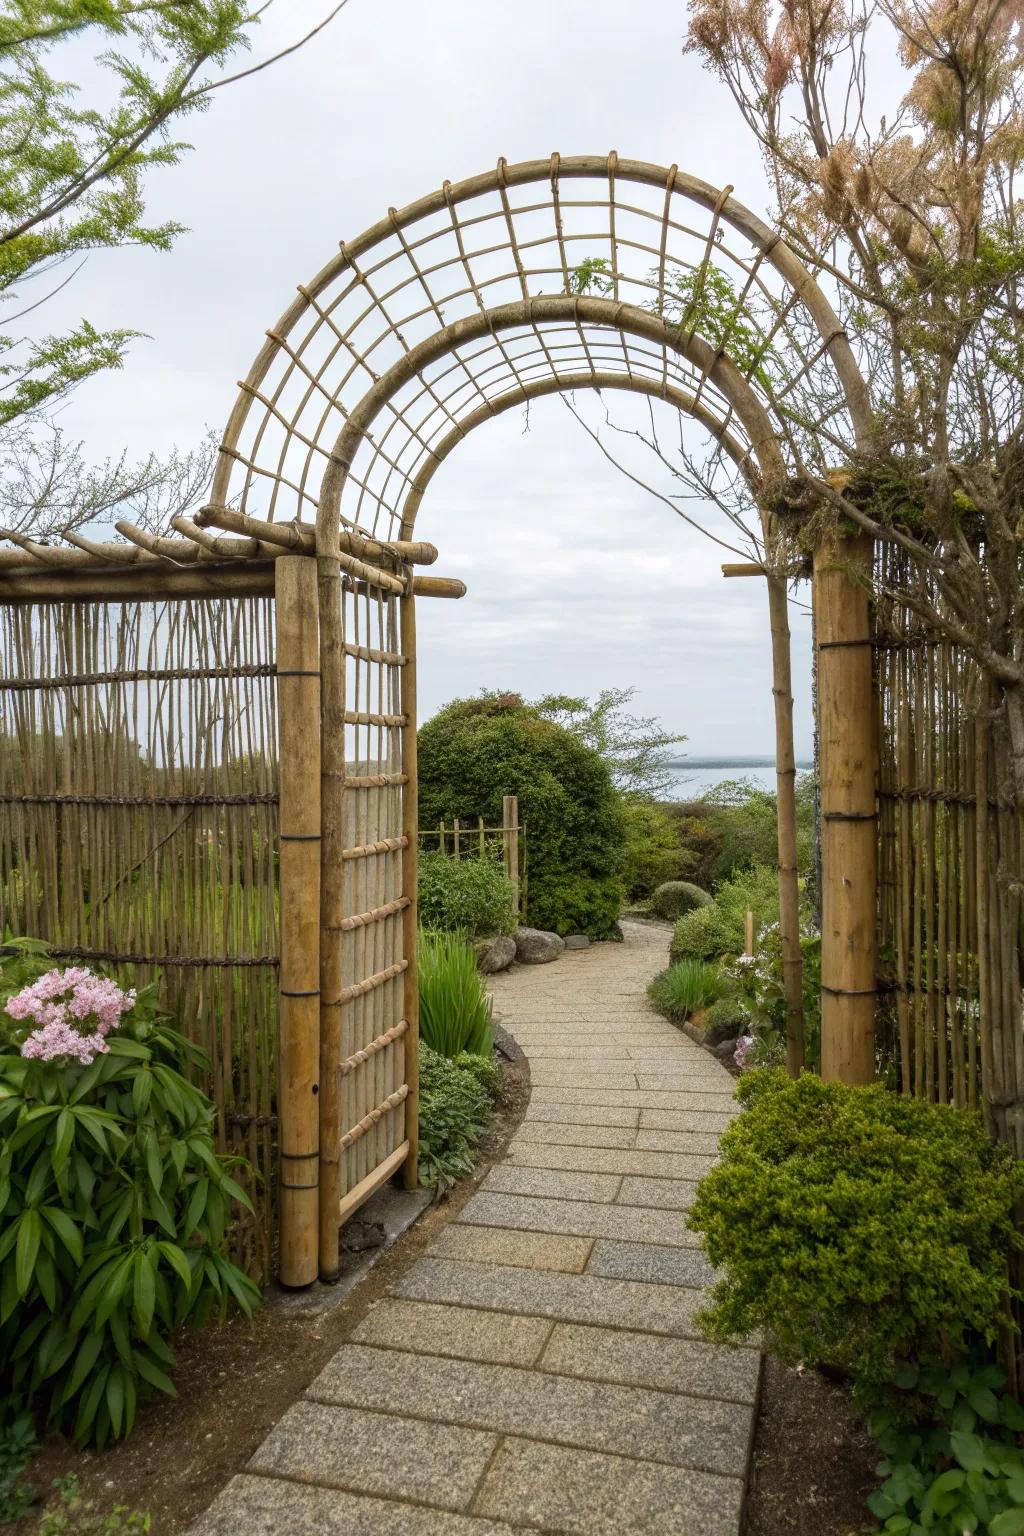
point(538, 1368)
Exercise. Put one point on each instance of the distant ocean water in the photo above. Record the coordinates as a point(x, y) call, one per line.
point(695, 776)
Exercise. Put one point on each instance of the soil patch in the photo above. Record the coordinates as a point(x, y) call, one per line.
point(812, 1468)
point(234, 1382)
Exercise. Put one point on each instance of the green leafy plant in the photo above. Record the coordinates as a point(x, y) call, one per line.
point(456, 1100)
point(472, 896)
point(653, 853)
point(727, 1017)
point(703, 934)
point(77, 1516)
point(858, 1229)
point(18, 1445)
point(675, 897)
point(114, 1204)
point(455, 1009)
point(957, 1466)
point(684, 988)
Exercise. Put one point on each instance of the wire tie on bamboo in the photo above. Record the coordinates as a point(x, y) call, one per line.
point(369, 1121)
point(360, 988)
point(367, 1052)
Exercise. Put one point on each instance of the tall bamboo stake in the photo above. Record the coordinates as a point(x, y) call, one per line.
point(785, 782)
point(849, 823)
point(298, 688)
point(410, 865)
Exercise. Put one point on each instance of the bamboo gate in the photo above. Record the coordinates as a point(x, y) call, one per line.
point(208, 741)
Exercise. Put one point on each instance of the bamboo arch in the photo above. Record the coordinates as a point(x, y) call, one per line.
point(535, 278)
point(439, 318)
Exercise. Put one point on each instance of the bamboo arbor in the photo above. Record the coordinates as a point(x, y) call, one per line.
point(471, 302)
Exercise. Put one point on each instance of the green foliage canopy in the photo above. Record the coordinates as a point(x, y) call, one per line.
point(472, 896)
point(474, 751)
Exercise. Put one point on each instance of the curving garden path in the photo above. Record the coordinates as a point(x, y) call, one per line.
point(538, 1368)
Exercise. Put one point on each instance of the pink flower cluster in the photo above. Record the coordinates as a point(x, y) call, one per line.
point(73, 1010)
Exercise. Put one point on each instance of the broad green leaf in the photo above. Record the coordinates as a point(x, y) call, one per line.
point(968, 1450)
point(1009, 1523)
point(144, 1293)
point(66, 1230)
point(30, 1231)
point(63, 1140)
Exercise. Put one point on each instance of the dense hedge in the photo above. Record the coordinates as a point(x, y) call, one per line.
point(471, 896)
point(477, 750)
point(859, 1229)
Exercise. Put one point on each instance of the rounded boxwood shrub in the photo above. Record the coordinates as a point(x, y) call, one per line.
point(472, 896)
point(703, 934)
point(859, 1229)
point(475, 751)
point(675, 897)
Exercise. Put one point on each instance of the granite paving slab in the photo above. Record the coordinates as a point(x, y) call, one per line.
point(540, 1366)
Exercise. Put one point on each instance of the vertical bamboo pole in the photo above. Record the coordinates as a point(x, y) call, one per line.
point(785, 787)
point(848, 750)
point(456, 833)
point(510, 839)
point(332, 900)
point(748, 934)
point(298, 690)
point(410, 867)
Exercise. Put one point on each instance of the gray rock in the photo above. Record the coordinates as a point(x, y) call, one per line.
point(725, 1050)
point(535, 947)
point(721, 1031)
point(577, 941)
point(496, 954)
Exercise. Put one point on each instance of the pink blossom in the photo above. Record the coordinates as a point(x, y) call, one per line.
point(744, 1045)
point(73, 1011)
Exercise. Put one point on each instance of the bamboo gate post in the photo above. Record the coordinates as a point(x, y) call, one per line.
point(510, 842)
point(298, 690)
point(849, 821)
point(410, 877)
point(785, 782)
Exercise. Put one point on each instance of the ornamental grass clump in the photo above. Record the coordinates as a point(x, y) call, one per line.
point(684, 988)
point(455, 1010)
point(114, 1204)
point(860, 1230)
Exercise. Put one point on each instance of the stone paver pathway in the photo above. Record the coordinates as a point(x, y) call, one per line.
point(538, 1368)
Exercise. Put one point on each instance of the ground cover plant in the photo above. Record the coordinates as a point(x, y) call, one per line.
point(457, 1096)
point(114, 1204)
point(472, 896)
point(455, 1009)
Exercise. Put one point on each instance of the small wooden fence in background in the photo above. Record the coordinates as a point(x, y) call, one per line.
point(472, 839)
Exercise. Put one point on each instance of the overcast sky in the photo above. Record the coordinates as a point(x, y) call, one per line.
point(577, 579)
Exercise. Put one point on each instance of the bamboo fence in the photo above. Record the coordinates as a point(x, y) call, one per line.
point(950, 873)
point(138, 827)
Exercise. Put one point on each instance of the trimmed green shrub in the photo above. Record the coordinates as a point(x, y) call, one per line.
point(456, 1099)
point(114, 1203)
point(703, 934)
point(858, 1229)
point(675, 897)
point(455, 1009)
point(653, 853)
point(471, 896)
point(477, 750)
point(685, 988)
point(726, 1017)
point(710, 932)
